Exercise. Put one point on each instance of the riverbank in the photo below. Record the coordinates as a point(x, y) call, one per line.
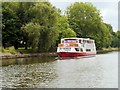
point(104, 50)
point(19, 55)
point(24, 54)
point(10, 52)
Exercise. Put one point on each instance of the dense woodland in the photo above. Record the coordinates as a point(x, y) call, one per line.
point(40, 26)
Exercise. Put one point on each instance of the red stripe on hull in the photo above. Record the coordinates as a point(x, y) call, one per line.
point(74, 54)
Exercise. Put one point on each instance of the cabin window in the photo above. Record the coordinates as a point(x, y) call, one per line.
point(67, 49)
point(81, 49)
point(60, 48)
point(84, 41)
point(70, 41)
point(88, 49)
point(89, 41)
point(77, 49)
point(80, 41)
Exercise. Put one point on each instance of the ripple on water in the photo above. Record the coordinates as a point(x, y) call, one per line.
point(94, 72)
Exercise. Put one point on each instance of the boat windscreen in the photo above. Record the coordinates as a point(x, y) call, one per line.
point(70, 41)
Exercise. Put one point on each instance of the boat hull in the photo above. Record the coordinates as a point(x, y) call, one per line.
point(74, 54)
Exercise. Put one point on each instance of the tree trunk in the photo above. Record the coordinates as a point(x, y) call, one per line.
point(16, 44)
point(4, 45)
point(26, 46)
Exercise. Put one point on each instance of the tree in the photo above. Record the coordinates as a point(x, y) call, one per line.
point(32, 30)
point(68, 33)
point(18, 18)
point(15, 14)
point(116, 39)
point(10, 31)
point(24, 18)
point(64, 30)
point(118, 35)
point(45, 15)
point(86, 21)
point(109, 35)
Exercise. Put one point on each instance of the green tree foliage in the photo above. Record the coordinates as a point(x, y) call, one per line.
point(68, 33)
point(23, 12)
point(21, 15)
point(32, 30)
point(83, 18)
point(118, 35)
point(86, 21)
point(45, 15)
point(41, 25)
point(10, 31)
point(109, 34)
point(64, 30)
point(24, 17)
point(14, 16)
point(116, 39)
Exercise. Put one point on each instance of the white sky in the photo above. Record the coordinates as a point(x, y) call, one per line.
point(108, 9)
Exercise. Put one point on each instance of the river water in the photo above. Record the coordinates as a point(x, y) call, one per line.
point(100, 71)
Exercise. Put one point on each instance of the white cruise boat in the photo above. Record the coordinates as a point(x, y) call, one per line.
point(75, 47)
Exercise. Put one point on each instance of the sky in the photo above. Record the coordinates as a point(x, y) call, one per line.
point(108, 9)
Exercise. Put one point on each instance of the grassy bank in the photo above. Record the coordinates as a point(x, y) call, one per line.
point(10, 52)
point(109, 49)
point(105, 50)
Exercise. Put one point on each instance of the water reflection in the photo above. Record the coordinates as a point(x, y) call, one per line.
point(31, 75)
point(46, 72)
point(23, 61)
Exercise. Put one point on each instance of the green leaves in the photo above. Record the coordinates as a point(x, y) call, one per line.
point(64, 29)
point(42, 29)
point(9, 21)
point(68, 33)
point(116, 39)
point(32, 23)
point(86, 21)
point(41, 26)
point(33, 31)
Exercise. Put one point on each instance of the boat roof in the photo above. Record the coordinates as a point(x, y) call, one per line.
point(78, 38)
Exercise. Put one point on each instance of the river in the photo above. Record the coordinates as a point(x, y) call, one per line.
point(100, 71)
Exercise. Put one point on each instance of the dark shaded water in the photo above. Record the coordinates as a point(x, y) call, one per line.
point(100, 71)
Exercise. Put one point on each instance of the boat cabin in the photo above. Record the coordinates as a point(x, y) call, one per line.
point(77, 45)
